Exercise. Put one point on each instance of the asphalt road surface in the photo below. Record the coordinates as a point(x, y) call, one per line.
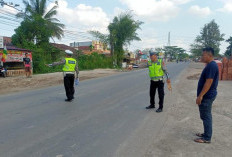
point(98, 123)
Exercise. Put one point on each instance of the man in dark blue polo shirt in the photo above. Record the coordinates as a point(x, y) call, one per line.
point(206, 93)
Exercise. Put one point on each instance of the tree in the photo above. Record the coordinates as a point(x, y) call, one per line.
point(228, 52)
point(23, 36)
point(34, 32)
point(196, 49)
point(31, 32)
point(174, 52)
point(122, 31)
point(39, 24)
point(210, 36)
point(158, 49)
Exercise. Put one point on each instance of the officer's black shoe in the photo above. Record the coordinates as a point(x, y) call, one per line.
point(159, 110)
point(150, 107)
point(68, 100)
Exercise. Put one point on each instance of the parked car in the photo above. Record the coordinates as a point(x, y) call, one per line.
point(135, 66)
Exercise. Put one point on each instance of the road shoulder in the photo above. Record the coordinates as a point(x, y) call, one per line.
point(21, 83)
point(171, 133)
point(183, 121)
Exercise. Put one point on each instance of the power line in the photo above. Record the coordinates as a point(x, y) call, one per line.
point(8, 23)
point(75, 39)
point(74, 35)
point(10, 19)
point(10, 4)
point(71, 27)
point(3, 12)
point(77, 33)
point(71, 36)
point(169, 42)
point(6, 30)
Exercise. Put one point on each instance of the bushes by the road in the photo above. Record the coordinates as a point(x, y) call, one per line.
point(44, 55)
point(47, 53)
point(85, 62)
point(94, 61)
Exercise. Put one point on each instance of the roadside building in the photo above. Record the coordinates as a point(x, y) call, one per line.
point(129, 58)
point(14, 61)
point(89, 47)
point(64, 47)
point(14, 58)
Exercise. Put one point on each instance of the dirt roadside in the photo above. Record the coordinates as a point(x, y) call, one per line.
point(183, 121)
point(21, 83)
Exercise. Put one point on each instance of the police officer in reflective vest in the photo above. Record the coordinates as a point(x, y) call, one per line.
point(157, 70)
point(69, 69)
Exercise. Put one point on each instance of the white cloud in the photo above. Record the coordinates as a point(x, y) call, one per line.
point(158, 43)
point(118, 11)
point(155, 10)
point(182, 43)
point(227, 7)
point(149, 39)
point(201, 12)
point(83, 16)
point(181, 1)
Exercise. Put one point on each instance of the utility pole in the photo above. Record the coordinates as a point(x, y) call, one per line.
point(169, 36)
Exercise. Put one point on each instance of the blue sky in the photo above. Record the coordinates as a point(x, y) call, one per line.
point(183, 18)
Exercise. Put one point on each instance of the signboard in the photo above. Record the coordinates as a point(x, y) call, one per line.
point(1, 42)
point(15, 56)
point(144, 57)
point(140, 52)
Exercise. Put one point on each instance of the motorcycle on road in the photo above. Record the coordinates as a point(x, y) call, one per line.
point(2, 71)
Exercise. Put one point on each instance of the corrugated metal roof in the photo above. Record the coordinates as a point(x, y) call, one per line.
point(16, 48)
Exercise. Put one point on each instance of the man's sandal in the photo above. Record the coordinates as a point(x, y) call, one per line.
point(199, 134)
point(201, 140)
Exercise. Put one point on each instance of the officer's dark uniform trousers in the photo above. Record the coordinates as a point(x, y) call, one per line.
point(69, 85)
point(160, 86)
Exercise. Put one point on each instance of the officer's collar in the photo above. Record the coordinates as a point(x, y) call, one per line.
point(155, 61)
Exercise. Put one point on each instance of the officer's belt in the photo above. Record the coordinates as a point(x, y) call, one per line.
point(68, 72)
point(159, 78)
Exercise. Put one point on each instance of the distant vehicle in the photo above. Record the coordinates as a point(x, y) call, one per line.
point(135, 66)
point(2, 71)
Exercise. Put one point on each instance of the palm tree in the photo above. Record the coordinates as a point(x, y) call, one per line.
point(36, 13)
point(122, 31)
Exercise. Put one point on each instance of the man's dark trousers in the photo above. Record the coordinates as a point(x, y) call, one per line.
point(205, 109)
point(153, 86)
point(69, 86)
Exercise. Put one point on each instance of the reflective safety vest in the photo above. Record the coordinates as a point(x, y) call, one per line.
point(70, 64)
point(155, 70)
